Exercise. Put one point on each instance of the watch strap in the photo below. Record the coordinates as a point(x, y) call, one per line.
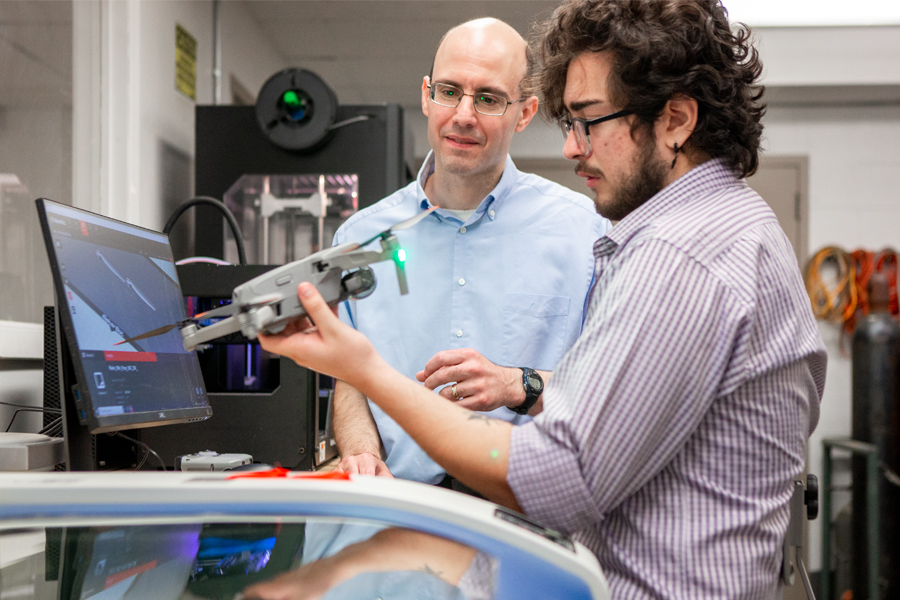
point(531, 394)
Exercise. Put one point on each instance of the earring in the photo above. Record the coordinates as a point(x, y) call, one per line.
point(676, 155)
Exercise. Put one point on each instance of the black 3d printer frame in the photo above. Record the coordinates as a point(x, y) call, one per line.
point(273, 427)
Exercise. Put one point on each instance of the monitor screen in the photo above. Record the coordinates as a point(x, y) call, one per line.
point(115, 281)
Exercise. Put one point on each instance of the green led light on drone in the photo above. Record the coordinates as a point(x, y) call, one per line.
point(401, 255)
point(290, 98)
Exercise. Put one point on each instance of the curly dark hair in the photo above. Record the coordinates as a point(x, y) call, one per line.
point(662, 49)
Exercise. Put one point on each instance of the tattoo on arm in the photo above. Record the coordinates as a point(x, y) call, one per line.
point(429, 571)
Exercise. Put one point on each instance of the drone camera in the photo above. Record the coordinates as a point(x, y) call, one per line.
point(359, 284)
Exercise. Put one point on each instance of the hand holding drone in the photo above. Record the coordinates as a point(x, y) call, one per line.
point(269, 302)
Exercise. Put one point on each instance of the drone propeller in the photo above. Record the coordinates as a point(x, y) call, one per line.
point(150, 334)
point(399, 226)
point(223, 311)
point(227, 310)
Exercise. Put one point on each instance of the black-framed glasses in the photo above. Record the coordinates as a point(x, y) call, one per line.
point(582, 128)
point(444, 94)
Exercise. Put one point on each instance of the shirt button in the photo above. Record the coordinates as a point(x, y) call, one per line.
point(462, 281)
point(459, 333)
point(492, 214)
point(462, 229)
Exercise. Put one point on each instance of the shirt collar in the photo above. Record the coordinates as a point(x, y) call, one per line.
point(699, 181)
point(493, 200)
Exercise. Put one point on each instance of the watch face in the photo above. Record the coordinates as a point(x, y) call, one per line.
point(535, 382)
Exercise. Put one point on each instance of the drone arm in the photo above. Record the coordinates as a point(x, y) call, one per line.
point(194, 336)
point(355, 259)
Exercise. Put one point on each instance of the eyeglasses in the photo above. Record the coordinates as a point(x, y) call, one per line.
point(450, 96)
point(583, 131)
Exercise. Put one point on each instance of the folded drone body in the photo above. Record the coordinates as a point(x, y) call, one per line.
point(266, 304)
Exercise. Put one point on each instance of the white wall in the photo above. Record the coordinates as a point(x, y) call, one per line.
point(133, 141)
point(854, 202)
point(246, 51)
point(829, 55)
point(147, 129)
point(854, 158)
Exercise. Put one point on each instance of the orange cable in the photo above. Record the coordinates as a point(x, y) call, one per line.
point(886, 264)
point(835, 304)
point(863, 265)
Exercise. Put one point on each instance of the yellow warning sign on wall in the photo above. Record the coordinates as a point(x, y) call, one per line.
point(185, 62)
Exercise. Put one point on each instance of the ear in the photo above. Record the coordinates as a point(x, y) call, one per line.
point(527, 112)
point(425, 94)
point(678, 120)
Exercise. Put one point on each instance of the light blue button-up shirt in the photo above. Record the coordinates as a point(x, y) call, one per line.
point(510, 282)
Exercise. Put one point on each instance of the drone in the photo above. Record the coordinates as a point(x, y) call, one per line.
point(266, 304)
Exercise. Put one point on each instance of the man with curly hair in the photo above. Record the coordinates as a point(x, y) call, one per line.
point(672, 430)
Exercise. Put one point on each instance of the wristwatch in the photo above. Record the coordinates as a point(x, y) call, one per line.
point(534, 387)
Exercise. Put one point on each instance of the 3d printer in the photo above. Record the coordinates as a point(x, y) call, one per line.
point(291, 169)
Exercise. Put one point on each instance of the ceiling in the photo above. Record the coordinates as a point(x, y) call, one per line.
point(372, 51)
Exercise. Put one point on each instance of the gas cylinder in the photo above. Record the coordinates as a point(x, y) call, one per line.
point(876, 420)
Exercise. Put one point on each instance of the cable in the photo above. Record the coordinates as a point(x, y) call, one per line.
point(886, 263)
point(350, 121)
point(54, 428)
point(835, 304)
point(147, 448)
point(26, 408)
point(16, 414)
point(41, 408)
point(863, 265)
point(143, 460)
point(218, 204)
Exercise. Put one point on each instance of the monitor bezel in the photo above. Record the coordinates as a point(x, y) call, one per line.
point(79, 390)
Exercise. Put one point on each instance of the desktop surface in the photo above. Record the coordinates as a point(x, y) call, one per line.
point(183, 535)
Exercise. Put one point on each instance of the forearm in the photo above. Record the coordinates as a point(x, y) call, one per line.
point(388, 550)
point(355, 431)
point(470, 446)
point(405, 550)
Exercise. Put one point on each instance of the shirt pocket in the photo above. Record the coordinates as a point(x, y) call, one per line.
point(534, 330)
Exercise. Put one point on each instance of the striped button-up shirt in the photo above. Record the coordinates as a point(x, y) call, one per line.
point(673, 428)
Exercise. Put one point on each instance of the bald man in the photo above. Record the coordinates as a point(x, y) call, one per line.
point(498, 274)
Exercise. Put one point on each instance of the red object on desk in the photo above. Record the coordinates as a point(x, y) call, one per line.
point(288, 474)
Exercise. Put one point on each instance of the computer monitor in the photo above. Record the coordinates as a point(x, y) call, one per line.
point(115, 281)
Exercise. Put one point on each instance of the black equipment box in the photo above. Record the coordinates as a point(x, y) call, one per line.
point(230, 144)
point(276, 423)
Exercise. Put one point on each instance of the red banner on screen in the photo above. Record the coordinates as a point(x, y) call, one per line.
point(114, 356)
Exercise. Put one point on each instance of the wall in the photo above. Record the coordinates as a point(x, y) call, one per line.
point(133, 140)
point(146, 127)
point(35, 147)
point(854, 154)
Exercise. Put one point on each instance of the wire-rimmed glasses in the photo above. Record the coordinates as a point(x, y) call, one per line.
point(450, 96)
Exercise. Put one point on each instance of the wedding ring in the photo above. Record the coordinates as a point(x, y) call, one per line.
point(453, 391)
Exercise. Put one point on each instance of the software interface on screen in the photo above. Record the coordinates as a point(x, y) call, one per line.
point(119, 281)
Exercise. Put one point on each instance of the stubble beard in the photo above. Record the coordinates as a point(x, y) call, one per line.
point(646, 179)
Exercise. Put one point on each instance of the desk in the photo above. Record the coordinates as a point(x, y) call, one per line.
point(159, 532)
